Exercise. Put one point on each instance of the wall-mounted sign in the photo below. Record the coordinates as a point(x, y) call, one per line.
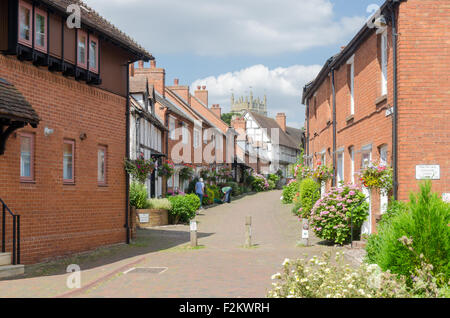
point(144, 218)
point(424, 172)
point(446, 197)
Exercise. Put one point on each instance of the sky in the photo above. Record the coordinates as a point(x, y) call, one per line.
point(271, 47)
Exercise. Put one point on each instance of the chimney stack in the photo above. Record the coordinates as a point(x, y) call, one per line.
point(176, 82)
point(141, 64)
point(217, 110)
point(153, 64)
point(202, 94)
point(281, 121)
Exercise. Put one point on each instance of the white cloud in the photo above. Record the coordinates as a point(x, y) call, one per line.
point(283, 87)
point(237, 27)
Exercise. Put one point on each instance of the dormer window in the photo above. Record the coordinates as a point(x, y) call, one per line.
point(40, 29)
point(25, 24)
point(93, 54)
point(81, 49)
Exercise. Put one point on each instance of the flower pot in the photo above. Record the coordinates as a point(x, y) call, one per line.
point(151, 217)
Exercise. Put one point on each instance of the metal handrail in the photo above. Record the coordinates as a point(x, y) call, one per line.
point(16, 233)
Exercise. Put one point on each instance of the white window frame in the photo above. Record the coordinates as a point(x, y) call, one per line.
point(185, 134)
point(172, 128)
point(196, 138)
point(352, 164)
point(384, 63)
point(351, 62)
point(340, 153)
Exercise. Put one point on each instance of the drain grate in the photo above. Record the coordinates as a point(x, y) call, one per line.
point(146, 270)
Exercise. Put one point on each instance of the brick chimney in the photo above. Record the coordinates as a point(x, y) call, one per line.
point(238, 124)
point(202, 94)
point(181, 90)
point(216, 110)
point(155, 76)
point(176, 81)
point(281, 121)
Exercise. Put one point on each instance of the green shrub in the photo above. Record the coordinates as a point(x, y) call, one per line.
point(236, 189)
point(160, 204)
point(259, 183)
point(331, 215)
point(184, 207)
point(309, 194)
point(272, 184)
point(138, 195)
point(290, 191)
point(426, 222)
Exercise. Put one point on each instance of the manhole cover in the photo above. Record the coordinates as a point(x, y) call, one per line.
point(146, 270)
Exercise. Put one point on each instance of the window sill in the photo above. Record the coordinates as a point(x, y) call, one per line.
point(69, 183)
point(28, 181)
point(102, 185)
point(380, 100)
point(350, 118)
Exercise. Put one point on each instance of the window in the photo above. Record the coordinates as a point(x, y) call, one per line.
point(26, 157)
point(365, 159)
point(352, 164)
point(40, 30)
point(351, 63)
point(172, 128)
point(340, 167)
point(196, 138)
point(101, 166)
point(81, 49)
point(384, 63)
point(93, 54)
point(185, 134)
point(68, 164)
point(25, 24)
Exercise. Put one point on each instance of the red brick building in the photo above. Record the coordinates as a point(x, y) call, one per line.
point(62, 167)
point(386, 97)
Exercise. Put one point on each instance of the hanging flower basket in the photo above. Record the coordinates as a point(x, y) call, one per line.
point(378, 177)
point(166, 169)
point(322, 173)
point(140, 168)
point(186, 173)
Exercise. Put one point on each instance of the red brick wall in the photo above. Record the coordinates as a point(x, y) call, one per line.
point(62, 219)
point(369, 124)
point(424, 92)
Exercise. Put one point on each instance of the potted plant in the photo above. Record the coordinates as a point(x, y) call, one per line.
point(322, 173)
point(167, 169)
point(158, 211)
point(186, 173)
point(378, 177)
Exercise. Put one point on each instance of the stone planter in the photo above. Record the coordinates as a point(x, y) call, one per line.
point(150, 218)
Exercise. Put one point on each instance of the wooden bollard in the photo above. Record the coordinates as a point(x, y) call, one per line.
point(248, 231)
point(193, 226)
point(305, 232)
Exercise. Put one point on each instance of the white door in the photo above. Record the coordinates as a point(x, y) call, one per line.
point(384, 200)
point(367, 225)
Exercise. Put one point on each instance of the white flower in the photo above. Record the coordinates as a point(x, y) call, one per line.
point(276, 276)
point(286, 262)
point(304, 280)
point(361, 292)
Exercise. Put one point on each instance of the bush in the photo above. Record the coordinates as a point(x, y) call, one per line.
point(138, 196)
point(289, 192)
point(331, 215)
point(184, 207)
point(425, 221)
point(321, 278)
point(309, 194)
point(160, 204)
point(272, 184)
point(259, 183)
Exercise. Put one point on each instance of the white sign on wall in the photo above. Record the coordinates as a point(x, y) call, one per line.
point(424, 172)
point(144, 218)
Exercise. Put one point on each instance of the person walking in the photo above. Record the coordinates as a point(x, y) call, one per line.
point(227, 194)
point(200, 191)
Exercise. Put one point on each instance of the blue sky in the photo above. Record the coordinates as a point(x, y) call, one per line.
point(273, 46)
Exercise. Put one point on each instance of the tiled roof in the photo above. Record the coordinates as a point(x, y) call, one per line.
point(269, 123)
point(96, 21)
point(172, 107)
point(138, 84)
point(14, 106)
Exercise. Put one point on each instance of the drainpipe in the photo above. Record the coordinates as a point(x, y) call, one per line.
point(127, 154)
point(307, 127)
point(334, 128)
point(395, 106)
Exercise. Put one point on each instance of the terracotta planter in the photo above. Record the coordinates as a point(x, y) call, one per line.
point(154, 218)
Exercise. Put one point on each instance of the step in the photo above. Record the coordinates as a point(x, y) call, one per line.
point(8, 271)
point(5, 259)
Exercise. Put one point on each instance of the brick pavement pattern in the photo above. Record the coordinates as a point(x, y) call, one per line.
point(223, 268)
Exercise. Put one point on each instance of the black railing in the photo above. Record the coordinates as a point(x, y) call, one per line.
point(15, 233)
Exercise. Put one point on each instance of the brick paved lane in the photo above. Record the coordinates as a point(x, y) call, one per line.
point(223, 268)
